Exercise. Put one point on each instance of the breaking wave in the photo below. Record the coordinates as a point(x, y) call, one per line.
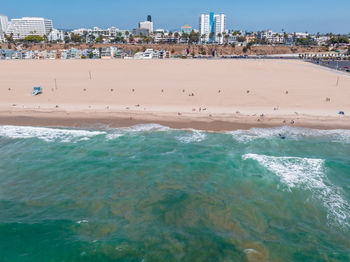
point(334, 135)
point(308, 174)
point(48, 134)
point(73, 135)
point(146, 128)
point(192, 136)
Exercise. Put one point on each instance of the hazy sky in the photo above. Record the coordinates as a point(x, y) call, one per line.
point(293, 15)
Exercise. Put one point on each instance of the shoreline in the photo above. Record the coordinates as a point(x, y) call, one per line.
point(121, 120)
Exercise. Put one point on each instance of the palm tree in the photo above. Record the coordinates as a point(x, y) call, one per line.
point(203, 37)
point(211, 35)
point(219, 35)
point(176, 35)
point(227, 36)
point(46, 38)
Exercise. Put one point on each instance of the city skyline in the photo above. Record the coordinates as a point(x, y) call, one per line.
point(313, 16)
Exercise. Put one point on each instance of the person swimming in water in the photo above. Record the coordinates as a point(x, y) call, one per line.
point(282, 136)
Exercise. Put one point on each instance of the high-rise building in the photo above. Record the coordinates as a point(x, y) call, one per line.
point(147, 24)
point(3, 26)
point(23, 27)
point(211, 25)
point(3, 23)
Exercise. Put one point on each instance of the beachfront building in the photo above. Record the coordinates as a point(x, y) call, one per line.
point(271, 37)
point(147, 24)
point(91, 34)
point(321, 40)
point(140, 32)
point(212, 27)
point(3, 26)
point(23, 27)
point(56, 36)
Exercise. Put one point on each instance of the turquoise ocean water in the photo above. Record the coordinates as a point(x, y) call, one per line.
point(150, 193)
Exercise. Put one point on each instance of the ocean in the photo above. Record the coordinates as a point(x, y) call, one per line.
point(151, 193)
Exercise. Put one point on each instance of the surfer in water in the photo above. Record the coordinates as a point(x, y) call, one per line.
point(282, 136)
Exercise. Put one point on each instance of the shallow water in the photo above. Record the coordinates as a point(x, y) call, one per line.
point(151, 193)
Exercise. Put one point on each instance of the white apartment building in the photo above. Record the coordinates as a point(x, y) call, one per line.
point(266, 34)
point(212, 24)
point(219, 23)
point(146, 25)
point(23, 27)
point(96, 31)
point(321, 40)
point(271, 37)
point(3, 23)
point(56, 36)
point(82, 31)
point(3, 26)
point(205, 26)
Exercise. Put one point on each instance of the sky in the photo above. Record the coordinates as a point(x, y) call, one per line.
point(291, 15)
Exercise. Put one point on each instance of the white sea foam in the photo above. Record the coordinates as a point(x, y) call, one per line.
point(146, 128)
point(335, 135)
point(47, 134)
point(115, 133)
point(250, 251)
point(113, 136)
point(192, 136)
point(82, 221)
point(308, 174)
point(73, 135)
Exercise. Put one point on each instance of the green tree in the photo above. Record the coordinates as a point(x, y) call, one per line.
point(219, 35)
point(99, 39)
point(303, 41)
point(194, 37)
point(249, 45)
point(211, 35)
point(34, 39)
point(241, 39)
point(184, 36)
point(339, 40)
point(9, 38)
point(76, 38)
point(226, 37)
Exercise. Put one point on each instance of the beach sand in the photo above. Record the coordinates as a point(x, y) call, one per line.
point(203, 94)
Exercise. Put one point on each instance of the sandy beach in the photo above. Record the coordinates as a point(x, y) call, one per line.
point(203, 94)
